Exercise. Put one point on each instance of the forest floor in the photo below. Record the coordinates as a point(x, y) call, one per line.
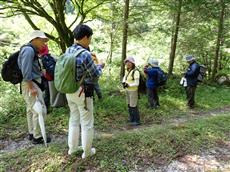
point(215, 159)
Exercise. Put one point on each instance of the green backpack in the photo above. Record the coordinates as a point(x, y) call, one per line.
point(64, 73)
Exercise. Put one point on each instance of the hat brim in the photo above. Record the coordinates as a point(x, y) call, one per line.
point(129, 61)
point(42, 37)
point(154, 65)
point(190, 60)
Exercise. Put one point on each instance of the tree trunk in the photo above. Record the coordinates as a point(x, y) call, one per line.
point(174, 39)
point(125, 37)
point(55, 16)
point(111, 35)
point(110, 56)
point(219, 39)
point(220, 60)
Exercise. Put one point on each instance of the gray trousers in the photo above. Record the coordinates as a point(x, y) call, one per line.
point(153, 97)
point(190, 93)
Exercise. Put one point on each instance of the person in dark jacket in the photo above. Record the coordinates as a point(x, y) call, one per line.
point(191, 77)
point(151, 71)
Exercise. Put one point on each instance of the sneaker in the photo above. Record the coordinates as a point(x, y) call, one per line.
point(40, 140)
point(93, 151)
point(30, 137)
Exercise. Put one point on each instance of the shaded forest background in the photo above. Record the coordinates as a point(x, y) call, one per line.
point(166, 30)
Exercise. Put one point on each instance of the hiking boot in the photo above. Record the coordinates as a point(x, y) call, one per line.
point(134, 123)
point(40, 140)
point(99, 97)
point(30, 137)
point(93, 151)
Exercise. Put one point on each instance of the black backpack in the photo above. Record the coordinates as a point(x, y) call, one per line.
point(10, 70)
point(48, 62)
point(142, 81)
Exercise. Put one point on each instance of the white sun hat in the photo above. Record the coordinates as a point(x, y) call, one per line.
point(153, 62)
point(37, 34)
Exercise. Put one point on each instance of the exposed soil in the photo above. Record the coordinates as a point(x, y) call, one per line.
point(216, 159)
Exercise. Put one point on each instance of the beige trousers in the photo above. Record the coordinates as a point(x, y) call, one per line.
point(32, 116)
point(132, 98)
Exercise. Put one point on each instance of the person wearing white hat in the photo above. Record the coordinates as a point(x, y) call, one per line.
point(31, 84)
point(130, 83)
point(191, 77)
point(151, 70)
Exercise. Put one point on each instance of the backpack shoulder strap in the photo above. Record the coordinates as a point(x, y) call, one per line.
point(79, 52)
point(134, 70)
point(28, 45)
point(127, 75)
point(35, 54)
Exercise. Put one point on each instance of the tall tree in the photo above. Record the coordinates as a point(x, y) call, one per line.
point(53, 11)
point(125, 37)
point(219, 39)
point(175, 31)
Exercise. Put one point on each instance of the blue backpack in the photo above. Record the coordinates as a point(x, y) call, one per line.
point(161, 77)
point(49, 63)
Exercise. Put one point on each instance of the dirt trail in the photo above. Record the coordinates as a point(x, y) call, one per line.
point(190, 116)
point(217, 159)
point(11, 145)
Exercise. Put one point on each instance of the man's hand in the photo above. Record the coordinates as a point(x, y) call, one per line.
point(32, 90)
point(102, 65)
point(94, 57)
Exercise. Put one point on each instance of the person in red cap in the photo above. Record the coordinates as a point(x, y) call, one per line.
point(130, 83)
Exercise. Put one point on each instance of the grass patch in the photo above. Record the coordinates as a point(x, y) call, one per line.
point(111, 112)
point(154, 145)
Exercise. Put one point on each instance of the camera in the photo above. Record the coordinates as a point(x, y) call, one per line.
point(125, 85)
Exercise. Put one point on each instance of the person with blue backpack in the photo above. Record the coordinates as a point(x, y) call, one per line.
point(151, 71)
point(81, 109)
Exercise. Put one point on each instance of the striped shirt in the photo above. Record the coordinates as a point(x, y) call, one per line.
point(84, 63)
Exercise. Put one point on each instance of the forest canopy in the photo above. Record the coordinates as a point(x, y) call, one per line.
point(166, 30)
